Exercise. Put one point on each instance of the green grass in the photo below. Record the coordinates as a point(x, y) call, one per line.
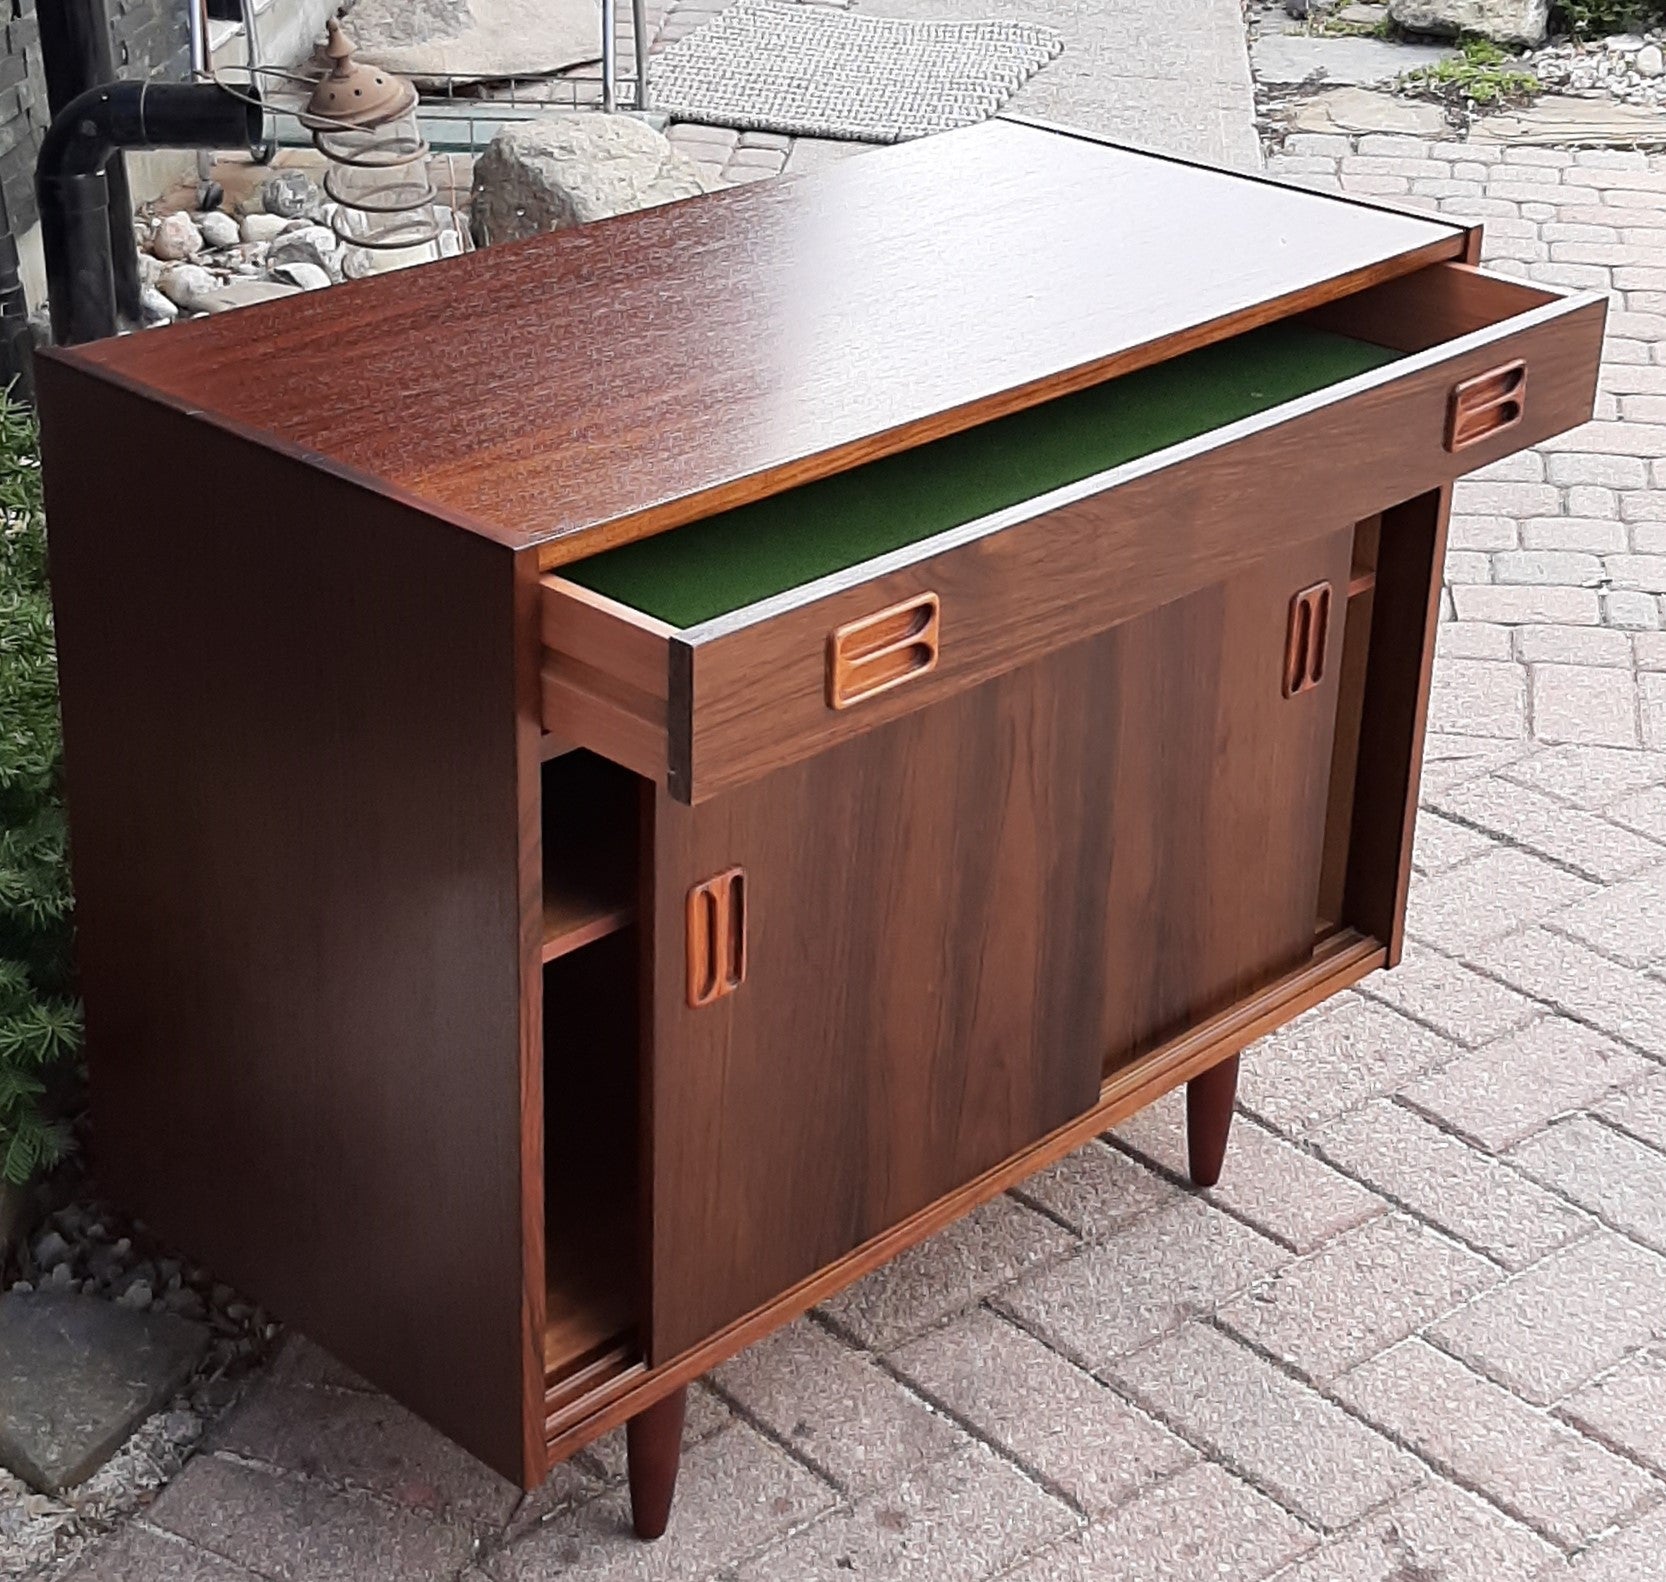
point(40, 1021)
point(1482, 76)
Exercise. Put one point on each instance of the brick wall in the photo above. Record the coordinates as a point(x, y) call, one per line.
point(147, 38)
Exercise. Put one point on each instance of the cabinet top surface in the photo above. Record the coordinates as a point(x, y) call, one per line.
point(595, 385)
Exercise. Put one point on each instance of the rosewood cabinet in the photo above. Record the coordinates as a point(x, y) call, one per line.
point(744, 730)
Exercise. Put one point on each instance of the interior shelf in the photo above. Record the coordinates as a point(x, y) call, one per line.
point(590, 813)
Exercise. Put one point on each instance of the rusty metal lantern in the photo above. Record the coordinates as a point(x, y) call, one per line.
point(363, 121)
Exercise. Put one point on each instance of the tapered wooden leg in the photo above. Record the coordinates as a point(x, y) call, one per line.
point(653, 1447)
point(1209, 1100)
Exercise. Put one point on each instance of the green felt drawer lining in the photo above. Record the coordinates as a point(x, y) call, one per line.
point(738, 557)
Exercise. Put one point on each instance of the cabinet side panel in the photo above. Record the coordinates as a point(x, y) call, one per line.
point(291, 734)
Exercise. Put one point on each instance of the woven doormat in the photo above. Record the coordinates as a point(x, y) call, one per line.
point(765, 66)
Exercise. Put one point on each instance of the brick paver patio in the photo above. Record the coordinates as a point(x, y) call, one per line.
point(1419, 1332)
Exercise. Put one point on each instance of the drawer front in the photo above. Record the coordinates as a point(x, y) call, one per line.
point(714, 706)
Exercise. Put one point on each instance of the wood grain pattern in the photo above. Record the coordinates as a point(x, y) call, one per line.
point(298, 854)
point(1339, 959)
point(1442, 303)
point(1209, 1099)
point(957, 919)
point(591, 386)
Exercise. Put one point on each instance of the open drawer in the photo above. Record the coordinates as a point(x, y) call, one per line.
point(747, 641)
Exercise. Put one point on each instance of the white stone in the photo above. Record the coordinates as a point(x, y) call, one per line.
point(565, 170)
point(219, 230)
point(259, 227)
point(1650, 62)
point(311, 244)
point(175, 238)
point(185, 285)
point(290, 193)
point(1503, 21)
point(309, 277)
point(157, 308)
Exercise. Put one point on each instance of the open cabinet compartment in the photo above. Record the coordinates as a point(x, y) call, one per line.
point(592, 953)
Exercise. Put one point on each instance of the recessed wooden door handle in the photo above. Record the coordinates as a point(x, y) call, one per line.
point(716, 937)
point(883, 650)
point(1305, 638)
point(1485, 405)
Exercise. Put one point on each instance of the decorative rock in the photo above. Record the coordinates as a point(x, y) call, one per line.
point(156, 307)
point(1354, 110)
point(51, 1250)
point(290, 193)
point(219, 230)
point(1289, 58)
point(150, 269)
point(1503, 21)
point(77, 1375)
point(176, 237)
point(312, 244)
point(309, 277)
point(565, 170)
point(1650, 62)
point(183, 284)
point(243, 294)
point(260, 227)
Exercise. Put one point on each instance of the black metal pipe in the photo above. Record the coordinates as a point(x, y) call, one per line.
point(75, 56)
point(69, 182)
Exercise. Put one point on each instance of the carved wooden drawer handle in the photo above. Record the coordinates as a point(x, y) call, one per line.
point(881, 651)
point(1305, 639)
point(1486, 405)
point(716, 937)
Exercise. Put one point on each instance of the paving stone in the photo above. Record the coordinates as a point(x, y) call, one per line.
point(1168, 1266)
point(1469, 1195)
point(1332, 1061)
point(1554, 1327)
point(77, 1376)
point(1651, 702)
point(299, 1361)
point(1438, 1533)
point(1357, 1295)
point(1645, 812)
point(1483, 532)
point(969, 1516)
point(1204, 1523)
point(1623, 1003)
point(1283, 1437)
point(1475, 696)
point(1583, 703)
point(1639, 1110)
point(1633, 1554)
point(837, 1408)
point(1571, 836)
point(1626, 1409)
point(1517, 1085)
point(1620, 1180)
point(1542, 1472)
point(1283, 1192)
point(1490, 697)
point(735, 1493)
point(1474, 640)
point(1444, 994)
point(1450, 757)
point(1440, 844)
point(707, 1414)
point(368, 1442)
point(1575, 645)
point(957, 1267)
point(294, 1530)
point(1477, 901)
point(1051, 1416)
point(1097, 1189)
point(1588, 777)
point(1548, 567)
point(140, 1554)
